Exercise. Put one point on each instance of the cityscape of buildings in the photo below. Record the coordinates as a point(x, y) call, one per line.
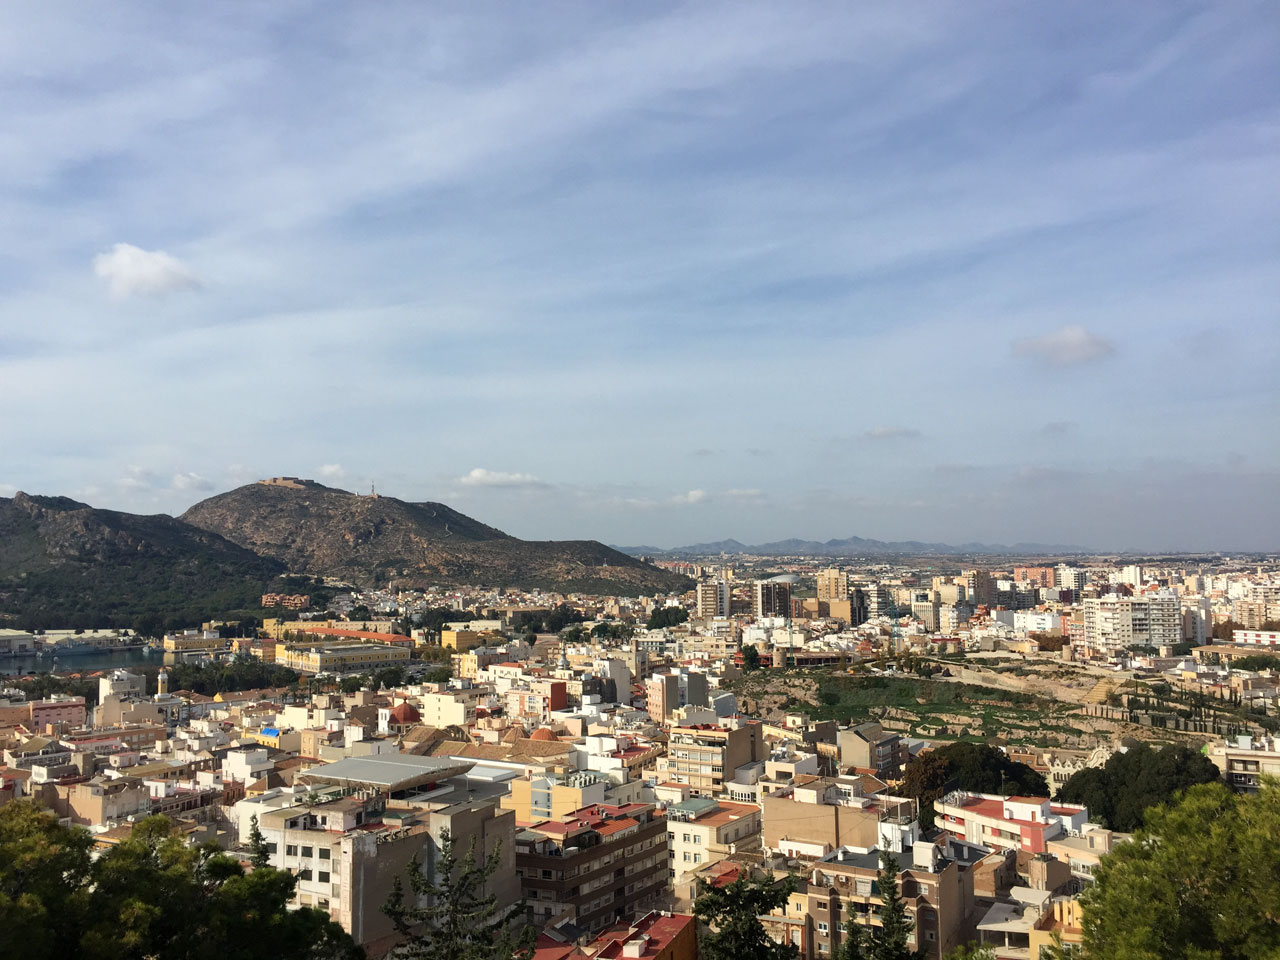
point(615, 767)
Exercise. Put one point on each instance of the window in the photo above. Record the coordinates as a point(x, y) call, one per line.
point(323, 876)
point(822, 928)
point(697, 858)
point(307, 852)
point(686, 838)
point(325, 853)
point(291, 850)
point(304, 874)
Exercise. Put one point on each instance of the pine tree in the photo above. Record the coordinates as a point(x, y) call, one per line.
point(730, 919)
point(890, 941)
point(259, 855)
point(459, 920)
point(857, 938)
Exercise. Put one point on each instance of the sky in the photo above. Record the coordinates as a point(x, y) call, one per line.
point(654, 273)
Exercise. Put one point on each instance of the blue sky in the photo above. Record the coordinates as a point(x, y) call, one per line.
point(653, 273)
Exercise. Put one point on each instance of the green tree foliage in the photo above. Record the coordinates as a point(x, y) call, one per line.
point(438, 675)
point(1226, 629)
point(1256, 661)
point(547, 621)
point(967, 766)
point(240, 673)
point(888, 941)
point(612, 631)
point(730, 919)
point(152, 895)
point(1119, 793)
point(750, 657)
point(460, 920)
point(1201, 880)
point(259, 855)
point(667, 617)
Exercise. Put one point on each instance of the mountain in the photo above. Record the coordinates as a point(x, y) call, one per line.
point(64, 563)
point(858, 547)
point(321, 531)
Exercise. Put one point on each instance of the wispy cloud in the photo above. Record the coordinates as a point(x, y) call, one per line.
point(691, 497)
point(1068, 347)
point(332, 471)
point(131, 271)
point(891, 433)
point(480, 477)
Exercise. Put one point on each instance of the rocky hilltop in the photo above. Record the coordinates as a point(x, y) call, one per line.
point(65, 562)
point(322, 531)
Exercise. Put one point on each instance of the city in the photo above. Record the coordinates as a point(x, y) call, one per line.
point(640, 481)
point(758, 726)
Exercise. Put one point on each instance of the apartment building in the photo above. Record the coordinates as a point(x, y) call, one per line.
point(1009, 823)
point(594, 867)
point(833, 584)
point(712, 599)
point(822, 814)
point(771, 598)
point(1244, 760)
point(868, 748)
point(702, 830)
point(1112, 623)
point(537, 700)
point(936, 892)
point(555, 796)
point(705, 756)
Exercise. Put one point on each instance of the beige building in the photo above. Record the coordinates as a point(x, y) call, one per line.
point(339, 657)
point(822, 815)
point(702, 830)
point(833, 584)
point(554, 796)
point(705, 756)
point(936, 892)
point(868, 748)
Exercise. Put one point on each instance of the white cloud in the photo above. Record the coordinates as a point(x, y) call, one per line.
point(480, 477)
point(890, 433)
point(1071, 345)
point(191, 481)
point(332, 471)
point(692, 497)
point(132, 271)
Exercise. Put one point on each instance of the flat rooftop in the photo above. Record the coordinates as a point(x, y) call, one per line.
point(389, 771)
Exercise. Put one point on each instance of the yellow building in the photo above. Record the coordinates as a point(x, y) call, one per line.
point(339, 658)
point(462, 639)
point(1064, 922)
point(193, 641)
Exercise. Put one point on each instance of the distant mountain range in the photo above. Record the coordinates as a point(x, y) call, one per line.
point(63, 562)
point(854, 547)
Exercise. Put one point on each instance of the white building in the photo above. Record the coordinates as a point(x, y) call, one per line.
point(1112, 623)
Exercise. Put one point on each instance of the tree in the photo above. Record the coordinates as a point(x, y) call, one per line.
point(1256, 662)
point(730, 916)
point(889, 942)
point(750, 657)
point(259, 855)
point(460, 919)
point(1200, 880)
point(967, 766)
point(667, 617)
point(151, 895)
point(1119, 793)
